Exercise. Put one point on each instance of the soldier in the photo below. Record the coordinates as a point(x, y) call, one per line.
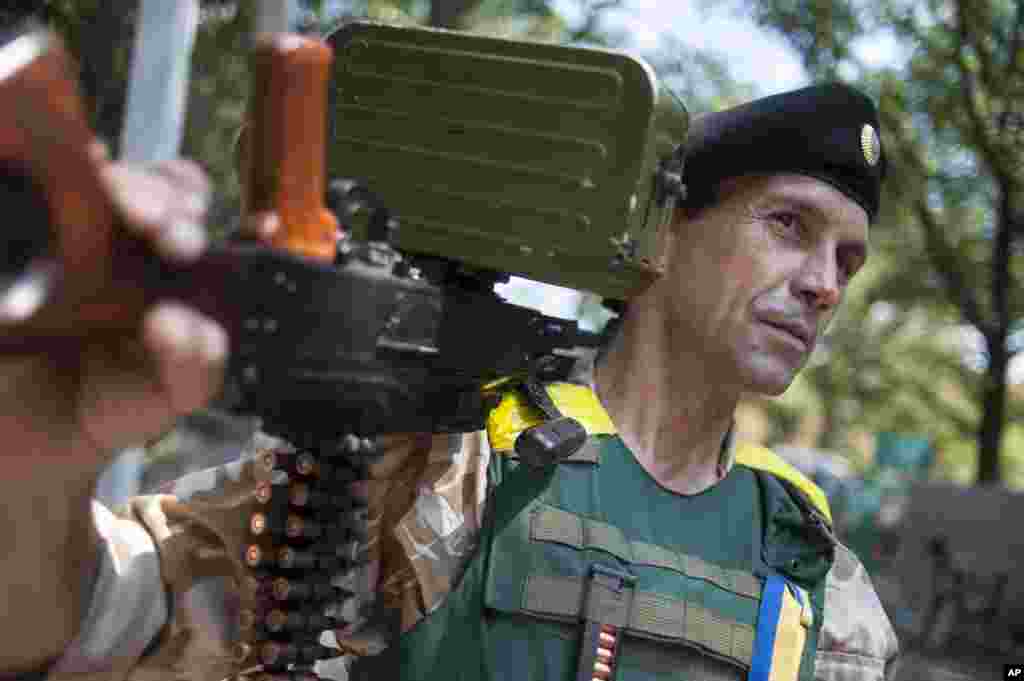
point(663, 548)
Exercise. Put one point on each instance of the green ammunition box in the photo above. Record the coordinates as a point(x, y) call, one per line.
point(526, 158)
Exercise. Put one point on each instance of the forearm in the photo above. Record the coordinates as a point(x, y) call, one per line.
point(48, 557)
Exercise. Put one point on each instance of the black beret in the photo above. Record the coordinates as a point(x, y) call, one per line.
point(827, 131)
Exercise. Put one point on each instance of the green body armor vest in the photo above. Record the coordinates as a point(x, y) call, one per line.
point(725, 584)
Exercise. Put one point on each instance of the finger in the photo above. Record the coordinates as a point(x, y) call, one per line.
point(115, 375)
point(187, 176)
point(189, 352)
point(130, 392)
point(99, 152)
point(150, 206)
point(262, 225)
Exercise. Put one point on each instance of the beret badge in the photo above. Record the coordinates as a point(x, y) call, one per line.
point(870, 144)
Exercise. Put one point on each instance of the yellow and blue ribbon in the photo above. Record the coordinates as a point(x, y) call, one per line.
point(781, 632)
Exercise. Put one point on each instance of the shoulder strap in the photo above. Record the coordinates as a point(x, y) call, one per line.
point(762, 458)
point(514, 415)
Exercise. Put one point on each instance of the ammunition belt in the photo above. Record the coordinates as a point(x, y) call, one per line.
point(308, 536)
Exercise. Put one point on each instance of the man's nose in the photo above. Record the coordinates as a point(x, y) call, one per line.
point(818, 281)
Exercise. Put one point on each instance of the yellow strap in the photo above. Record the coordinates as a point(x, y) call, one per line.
point(514, 415)
point(762, 458)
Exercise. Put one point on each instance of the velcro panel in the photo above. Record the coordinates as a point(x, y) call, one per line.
point(695, 622)
point(561, 596)
point(658, 615)
point(606, 538)
point(555, 525)
point(657, 556)
point(742, 642)
point(736, 581)
point(717, 635)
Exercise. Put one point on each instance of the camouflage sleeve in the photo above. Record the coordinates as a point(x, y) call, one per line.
point(168, 598)
point(857, 641)
point(426, 503)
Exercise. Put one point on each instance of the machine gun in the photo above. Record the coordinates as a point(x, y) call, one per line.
point(497, 158)
point(478, 159)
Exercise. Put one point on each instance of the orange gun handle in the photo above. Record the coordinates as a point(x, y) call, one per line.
point(286, 143)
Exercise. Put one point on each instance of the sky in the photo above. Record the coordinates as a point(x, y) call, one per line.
point(754, 55)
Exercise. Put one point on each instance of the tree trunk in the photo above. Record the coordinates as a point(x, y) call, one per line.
point(993, 415)
point(994, 394)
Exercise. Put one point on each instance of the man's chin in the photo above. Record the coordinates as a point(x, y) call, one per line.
point(770, 383)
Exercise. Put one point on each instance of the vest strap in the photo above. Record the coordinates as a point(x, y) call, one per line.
point(762, 458)
point(550, 524)
point(652, 616)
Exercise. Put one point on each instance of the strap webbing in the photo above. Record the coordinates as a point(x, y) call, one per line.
point(552, 524)
point(651, 615)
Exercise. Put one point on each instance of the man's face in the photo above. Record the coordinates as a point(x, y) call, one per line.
point(755, 278)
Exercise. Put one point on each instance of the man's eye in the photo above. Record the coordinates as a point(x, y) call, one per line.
point(789, 222)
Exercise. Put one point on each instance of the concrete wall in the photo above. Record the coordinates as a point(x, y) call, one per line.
point(985, 532)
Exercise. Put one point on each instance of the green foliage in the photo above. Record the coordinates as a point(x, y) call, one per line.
point(820, 30)
point(218, 97)
point(699, 78)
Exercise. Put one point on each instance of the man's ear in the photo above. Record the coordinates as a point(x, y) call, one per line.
point(668, 236)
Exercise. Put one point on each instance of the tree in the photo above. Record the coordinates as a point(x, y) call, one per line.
point(953, 139)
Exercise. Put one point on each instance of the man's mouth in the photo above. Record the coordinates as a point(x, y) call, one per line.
point(793, 330)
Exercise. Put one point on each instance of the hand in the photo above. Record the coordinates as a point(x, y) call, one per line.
point(259, 227)
point(76, 410)
point(63, 416)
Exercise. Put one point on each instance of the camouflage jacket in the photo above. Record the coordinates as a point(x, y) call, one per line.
point(172, 584)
